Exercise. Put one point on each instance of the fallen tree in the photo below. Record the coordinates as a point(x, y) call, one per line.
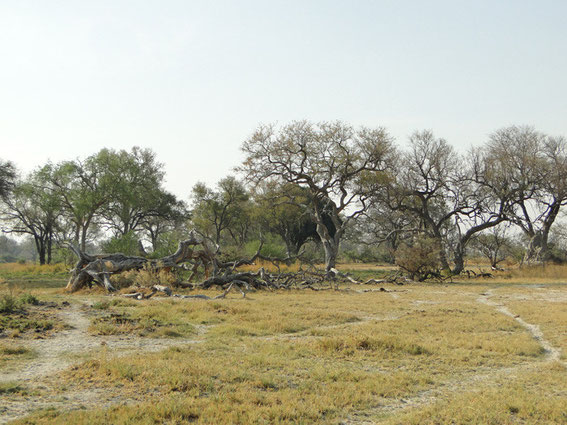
point(97, 269)
point(196, 254)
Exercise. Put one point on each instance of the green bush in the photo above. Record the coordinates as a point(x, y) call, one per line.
point(29, 299)
point(8, 304)
point(126, 244)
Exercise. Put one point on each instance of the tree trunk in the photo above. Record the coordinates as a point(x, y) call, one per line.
point(534, 252)
point(331, 252)
point(459, 252)
point(459, 261)
point(84, 238)
point(99, 268)
point(40, 246)
point(49, 246)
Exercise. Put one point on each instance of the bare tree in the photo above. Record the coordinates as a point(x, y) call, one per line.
point(495, 245)
point(534, 165)
point(451, 198)
point(340, 166)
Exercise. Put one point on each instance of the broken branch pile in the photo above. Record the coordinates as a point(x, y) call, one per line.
point(194, 254)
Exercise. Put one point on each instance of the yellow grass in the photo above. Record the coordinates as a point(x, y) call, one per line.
point(329, 357)
point(536, 274)
point(34, 269)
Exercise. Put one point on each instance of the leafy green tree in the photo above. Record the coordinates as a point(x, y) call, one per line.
point(169, 215)
point(120, 191)
point(10, 249)
point(7, 177)
point(134, 182)
point(84, 188)
point(221, 210)
point(127, 244)
point(34, 208)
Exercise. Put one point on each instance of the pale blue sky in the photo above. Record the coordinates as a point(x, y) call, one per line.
point(192, 79)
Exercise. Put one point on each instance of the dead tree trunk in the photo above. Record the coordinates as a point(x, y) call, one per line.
point(99, 268)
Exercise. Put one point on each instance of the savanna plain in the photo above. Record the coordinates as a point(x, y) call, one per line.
point(479, 351)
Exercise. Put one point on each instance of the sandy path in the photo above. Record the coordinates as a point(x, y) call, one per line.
point(552, 353)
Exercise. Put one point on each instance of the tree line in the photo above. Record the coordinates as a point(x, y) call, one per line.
point(328, 183)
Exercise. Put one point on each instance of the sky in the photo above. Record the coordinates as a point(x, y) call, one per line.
point(192, 79)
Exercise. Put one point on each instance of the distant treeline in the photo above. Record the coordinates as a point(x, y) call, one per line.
point(327, 189)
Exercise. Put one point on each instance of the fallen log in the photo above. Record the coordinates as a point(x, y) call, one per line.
point(97, 269)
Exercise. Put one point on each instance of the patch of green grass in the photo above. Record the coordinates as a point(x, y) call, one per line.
point(139, 322)
point(101, 305)
point(11, 388)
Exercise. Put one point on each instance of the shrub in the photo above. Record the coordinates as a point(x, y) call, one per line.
point(29, 299)
point(420, 259)
point(8, 304)
point(148, 277)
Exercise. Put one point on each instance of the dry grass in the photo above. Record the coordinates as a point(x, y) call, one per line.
point(271, 267)
point(534, 397)
point(324, 357)
point(545, 306)
point(534, 274)
point(8, 269)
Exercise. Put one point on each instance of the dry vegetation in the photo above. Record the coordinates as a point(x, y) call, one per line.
point(413, 354)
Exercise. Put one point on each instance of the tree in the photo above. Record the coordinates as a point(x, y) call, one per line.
point(10, 250)
point(7, 177)
point(285, 210)
point(34, 208)
point(450, 198)
point(535, 166)
point(84, 189)
point(426, 186)
point(220, 210)
point(341, 168)
point(134, 182)
point(494, 245)
point(169, 213)
point(382, 226)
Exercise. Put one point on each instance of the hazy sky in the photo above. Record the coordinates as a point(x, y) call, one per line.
point(192, 79)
